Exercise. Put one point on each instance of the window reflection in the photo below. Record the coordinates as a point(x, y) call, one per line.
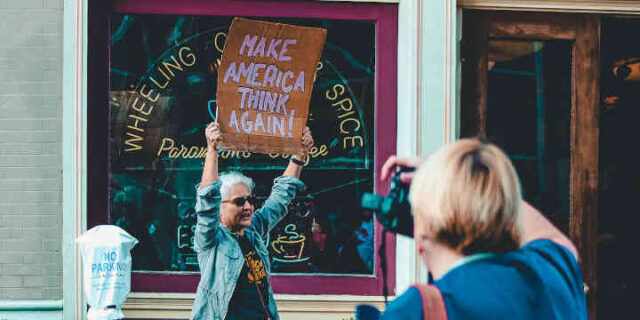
point(529, 116)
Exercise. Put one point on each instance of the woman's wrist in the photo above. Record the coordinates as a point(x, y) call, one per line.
point(300, 157)
point(212, 152)
point(297, 160)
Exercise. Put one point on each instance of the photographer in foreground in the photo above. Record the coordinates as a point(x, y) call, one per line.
point(233, 258)
point(491, 255)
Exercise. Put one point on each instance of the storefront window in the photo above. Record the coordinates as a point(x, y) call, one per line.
point(163, 74)
point(152, 69)
point(529, 116)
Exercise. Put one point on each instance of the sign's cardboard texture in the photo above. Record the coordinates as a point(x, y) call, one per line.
point(264, 85)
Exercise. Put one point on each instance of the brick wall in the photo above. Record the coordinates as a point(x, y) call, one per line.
point(30, 149)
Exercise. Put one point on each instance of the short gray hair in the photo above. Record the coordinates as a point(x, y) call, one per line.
point(229, 179)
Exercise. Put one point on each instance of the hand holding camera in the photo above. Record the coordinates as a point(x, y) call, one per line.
point(394, 211)
point(389, 167)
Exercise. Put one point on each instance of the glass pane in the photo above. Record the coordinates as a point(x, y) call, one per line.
point(618, 216)
point(529, 116)
point(163, 86)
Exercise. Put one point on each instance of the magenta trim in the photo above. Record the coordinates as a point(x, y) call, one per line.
point(163, 282)
point(386, 17)
point(347, 11)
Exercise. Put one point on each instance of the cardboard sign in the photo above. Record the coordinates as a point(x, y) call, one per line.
point(264, 85)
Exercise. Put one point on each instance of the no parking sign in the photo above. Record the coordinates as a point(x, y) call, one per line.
point(106, 259)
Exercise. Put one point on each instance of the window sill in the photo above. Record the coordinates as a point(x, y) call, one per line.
point(178, 305)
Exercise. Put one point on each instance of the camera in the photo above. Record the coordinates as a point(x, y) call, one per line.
point(393, 211)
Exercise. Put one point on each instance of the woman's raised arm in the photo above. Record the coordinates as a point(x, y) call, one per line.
point(297, 161)
point(210, 171)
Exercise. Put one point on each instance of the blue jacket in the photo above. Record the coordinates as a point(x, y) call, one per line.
point(219, 255)
point(542, 280)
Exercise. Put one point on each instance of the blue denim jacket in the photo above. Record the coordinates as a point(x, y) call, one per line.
point(219, 255)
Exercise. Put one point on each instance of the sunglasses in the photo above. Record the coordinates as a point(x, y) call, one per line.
point(239, 201)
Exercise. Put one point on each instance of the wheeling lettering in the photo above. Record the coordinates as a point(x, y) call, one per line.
point(142, 103)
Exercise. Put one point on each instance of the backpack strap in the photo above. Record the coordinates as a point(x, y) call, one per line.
point(432, 302)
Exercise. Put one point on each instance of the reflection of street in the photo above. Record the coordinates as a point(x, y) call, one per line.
point(185, 232)
point(152, 217)
point(365, 236)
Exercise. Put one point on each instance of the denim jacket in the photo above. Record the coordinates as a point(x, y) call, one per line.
point(219, 254)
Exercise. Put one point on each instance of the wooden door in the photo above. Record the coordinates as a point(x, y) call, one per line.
point(530, 83)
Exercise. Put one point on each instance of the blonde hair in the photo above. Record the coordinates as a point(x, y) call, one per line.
point(466, 196)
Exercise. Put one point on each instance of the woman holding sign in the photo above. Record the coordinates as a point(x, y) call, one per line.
point(233, 258)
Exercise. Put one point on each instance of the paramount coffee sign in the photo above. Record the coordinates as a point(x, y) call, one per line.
point(265, 83)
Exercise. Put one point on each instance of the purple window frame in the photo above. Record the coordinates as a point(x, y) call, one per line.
point(386, 18)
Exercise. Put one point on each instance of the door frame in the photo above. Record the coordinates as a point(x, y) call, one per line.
point(583, 30)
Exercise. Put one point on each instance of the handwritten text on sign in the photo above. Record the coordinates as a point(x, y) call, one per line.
point(265, 84)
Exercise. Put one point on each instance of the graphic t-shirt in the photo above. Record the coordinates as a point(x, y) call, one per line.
point(252, 286)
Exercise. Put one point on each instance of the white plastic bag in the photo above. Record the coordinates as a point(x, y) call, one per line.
point(106, 259)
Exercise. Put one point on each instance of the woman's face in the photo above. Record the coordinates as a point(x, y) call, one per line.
point(233, 216)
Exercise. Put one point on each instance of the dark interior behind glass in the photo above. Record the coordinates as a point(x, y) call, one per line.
point(619, 191)
point(529, 117)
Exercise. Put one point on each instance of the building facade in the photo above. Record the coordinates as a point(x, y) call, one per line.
point(31, 158)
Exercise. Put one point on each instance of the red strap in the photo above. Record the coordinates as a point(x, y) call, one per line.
point(432, 302)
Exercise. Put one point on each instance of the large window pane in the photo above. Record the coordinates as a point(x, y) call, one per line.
point(163, 75)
